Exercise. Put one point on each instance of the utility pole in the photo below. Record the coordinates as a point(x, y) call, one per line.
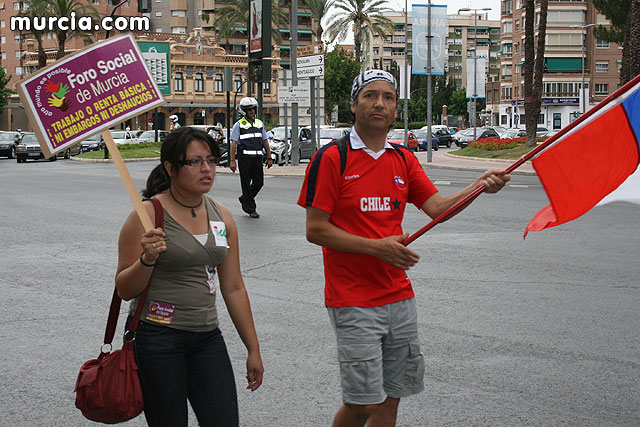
point(293, 17)
point(429, 73)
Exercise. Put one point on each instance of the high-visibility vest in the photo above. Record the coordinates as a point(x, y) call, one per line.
point(250, 134)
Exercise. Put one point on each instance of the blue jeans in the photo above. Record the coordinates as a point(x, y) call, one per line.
point(174, 366)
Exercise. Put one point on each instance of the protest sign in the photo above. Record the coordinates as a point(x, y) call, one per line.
point(88, 92)
point(98, 87)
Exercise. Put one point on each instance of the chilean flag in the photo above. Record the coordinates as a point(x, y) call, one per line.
point(594, 160)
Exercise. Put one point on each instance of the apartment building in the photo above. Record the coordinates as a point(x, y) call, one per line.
point(569, 38)
point(465, 34)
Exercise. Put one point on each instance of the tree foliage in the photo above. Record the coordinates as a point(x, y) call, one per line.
point(5, 92)
point(617, 11)
point(319, 9)
point(364, 18)
point(65, 8)
point(340, 70)
point(230, 18)
point(38, 8)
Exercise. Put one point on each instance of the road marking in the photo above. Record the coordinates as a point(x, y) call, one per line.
point(518, 185)
point(441, 182)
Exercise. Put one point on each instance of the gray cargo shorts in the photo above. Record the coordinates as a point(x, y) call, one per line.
point(378, 352)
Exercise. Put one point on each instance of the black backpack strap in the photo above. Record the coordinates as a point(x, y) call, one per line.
point(342, 149)
point(398, 149)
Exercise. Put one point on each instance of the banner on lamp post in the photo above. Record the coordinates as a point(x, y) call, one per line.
point(420, 39)
point(479, 90)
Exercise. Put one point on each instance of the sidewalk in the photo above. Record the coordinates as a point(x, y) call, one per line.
point(440, 160)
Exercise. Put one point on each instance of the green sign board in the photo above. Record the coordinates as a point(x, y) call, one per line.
point(156, 55)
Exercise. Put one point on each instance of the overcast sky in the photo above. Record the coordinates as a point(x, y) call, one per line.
point(453, 5)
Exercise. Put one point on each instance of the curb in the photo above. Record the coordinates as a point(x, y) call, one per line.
point(300, 170)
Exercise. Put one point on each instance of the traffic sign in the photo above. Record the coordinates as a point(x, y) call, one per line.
point(309, 61)
point(314, 49)
point(291, 94)
point(315, 71)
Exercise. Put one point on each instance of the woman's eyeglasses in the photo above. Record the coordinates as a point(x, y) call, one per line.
point(211, 161)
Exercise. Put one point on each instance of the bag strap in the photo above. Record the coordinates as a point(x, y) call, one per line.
point(114, 310)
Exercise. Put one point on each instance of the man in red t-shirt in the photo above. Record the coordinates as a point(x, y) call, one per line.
point(356, 216)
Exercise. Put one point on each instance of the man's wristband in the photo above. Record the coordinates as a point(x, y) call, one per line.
point(144, 263)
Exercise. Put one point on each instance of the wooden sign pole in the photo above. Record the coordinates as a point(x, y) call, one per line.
point(145, 219)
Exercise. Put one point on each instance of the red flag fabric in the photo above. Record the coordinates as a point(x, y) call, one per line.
point(591, 161)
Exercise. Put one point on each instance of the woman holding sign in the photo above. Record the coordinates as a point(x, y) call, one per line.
point(180, 350)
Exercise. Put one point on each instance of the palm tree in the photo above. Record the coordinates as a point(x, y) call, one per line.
point(62, 8)
point(37, 9)
point(319, 9)
point(364, 17)
point(229, 18)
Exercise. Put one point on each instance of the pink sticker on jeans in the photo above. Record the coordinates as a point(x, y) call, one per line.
point(160, 312)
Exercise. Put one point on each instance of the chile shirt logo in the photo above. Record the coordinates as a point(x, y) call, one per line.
point(400, 183)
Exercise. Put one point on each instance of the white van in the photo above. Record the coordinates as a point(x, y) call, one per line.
point(435, 128)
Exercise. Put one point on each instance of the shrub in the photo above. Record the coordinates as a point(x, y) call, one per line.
point(492, 144)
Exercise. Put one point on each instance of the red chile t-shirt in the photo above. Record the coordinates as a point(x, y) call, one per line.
point(367, 200)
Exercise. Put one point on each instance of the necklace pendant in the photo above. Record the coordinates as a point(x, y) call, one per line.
point(193, 213)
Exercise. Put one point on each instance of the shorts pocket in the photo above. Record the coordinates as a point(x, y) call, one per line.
point(414, 373)
point(360, 372)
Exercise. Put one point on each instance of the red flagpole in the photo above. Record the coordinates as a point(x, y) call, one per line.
point(480, 189)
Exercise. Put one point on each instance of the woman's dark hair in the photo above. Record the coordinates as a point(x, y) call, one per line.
point(174, 151)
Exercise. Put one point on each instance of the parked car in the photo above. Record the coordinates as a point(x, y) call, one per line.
point(278, 144)
point(396, 136)
point(453, 130)
point(541, 131)
point(328, 135)
point(150, 136)
point(514, 133)
point(481, 133)
point(29, 148)
point(423, 139)
point(123, 137)
point(8, 141)
point(435, 128)
point(499, 129)
point(93, 143)
point(444, 137)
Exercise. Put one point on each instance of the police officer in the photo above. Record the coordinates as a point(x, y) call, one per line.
point(174, 122)
point(249, 137)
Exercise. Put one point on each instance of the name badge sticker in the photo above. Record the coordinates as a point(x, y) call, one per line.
point(219, 230)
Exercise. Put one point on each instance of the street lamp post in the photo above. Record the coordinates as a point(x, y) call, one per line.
point(475, 63)
point(584, 58)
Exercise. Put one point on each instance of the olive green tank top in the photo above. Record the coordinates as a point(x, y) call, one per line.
point(184, 282)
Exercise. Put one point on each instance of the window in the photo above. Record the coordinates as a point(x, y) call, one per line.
point(179, 13)
point(17, 5)
point(503, 119)
point(517, 92)
point(375, 51)
point(506, 92)
point(19, 71)
point(517, 26)
point(18, 54)
point(199, 83)
point(96, 2)
point(3, 40)
point(219, 83)
point(178, 82)
point(179, 30)
point(266, 87)
point(541, 119)
point(602, 67)
point(516, 48)
point(159, 30)
point(602, 89)
point(602, 44)
point(3, 24)
point(159, 14)
point(507, 27)
point(564, 40)
point(3, 55)
point(237, 82)
point(557, 121)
